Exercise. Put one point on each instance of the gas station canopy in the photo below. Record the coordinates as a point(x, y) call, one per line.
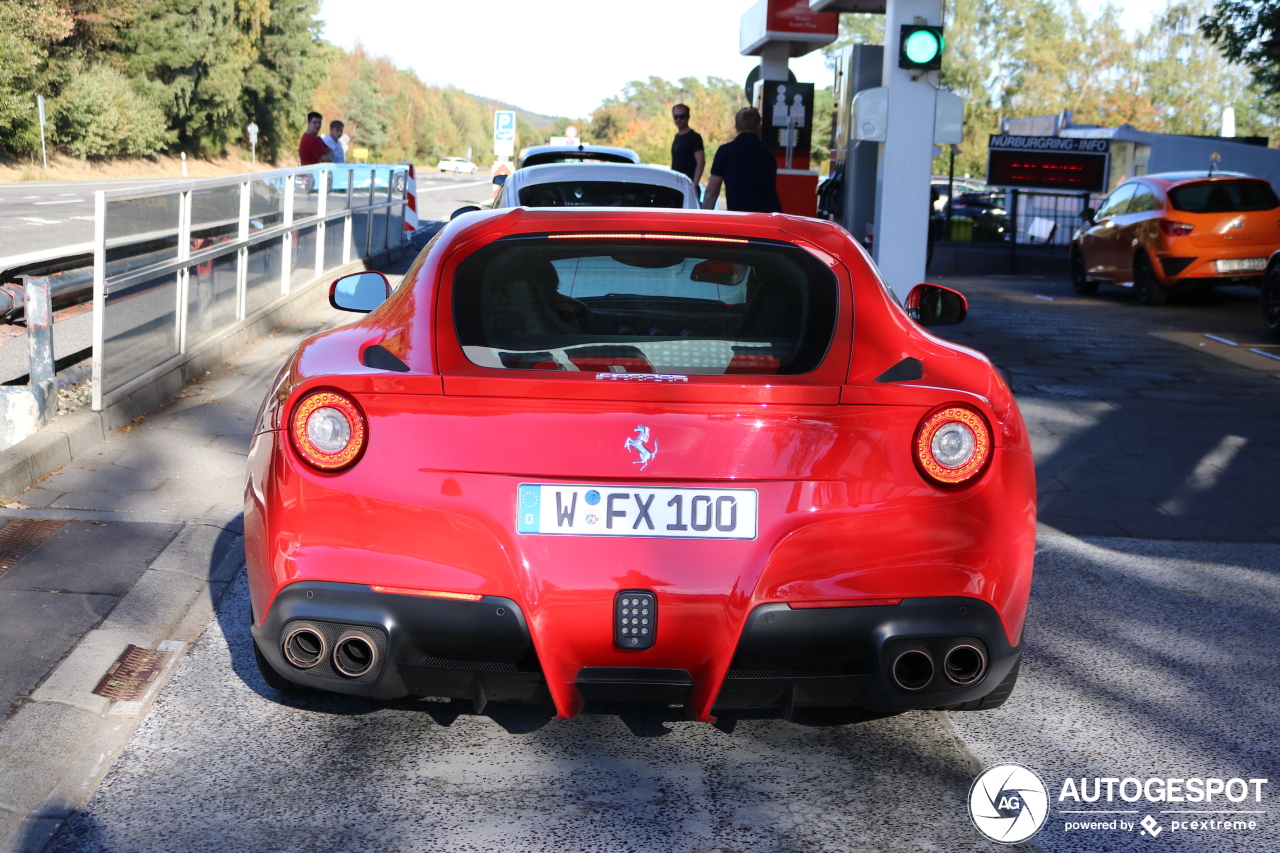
point(790, 22)
point(875, 7)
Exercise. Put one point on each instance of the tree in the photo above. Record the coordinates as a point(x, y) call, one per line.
point(27, 30)
point(193, 55)
point(100, 113)
point(1241, 28)
point(289, 57)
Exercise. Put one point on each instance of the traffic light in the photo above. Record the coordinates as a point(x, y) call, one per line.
point(920, 47)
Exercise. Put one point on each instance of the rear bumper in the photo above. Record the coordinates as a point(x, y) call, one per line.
point(784, 658)
point(1202, 269)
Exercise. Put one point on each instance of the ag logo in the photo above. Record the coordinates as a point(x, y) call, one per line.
point(1008, 803)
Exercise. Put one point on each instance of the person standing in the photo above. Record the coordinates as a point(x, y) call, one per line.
point(311, 149)
point(334, 142)
point(687, 153)
point(748, 168)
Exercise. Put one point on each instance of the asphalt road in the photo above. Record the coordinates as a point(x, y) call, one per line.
point(45, 215)
point(1151, 649)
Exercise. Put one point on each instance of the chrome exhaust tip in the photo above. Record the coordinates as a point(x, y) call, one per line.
point(304, 646)
point(913, 669)
point(354, 654)
point(965, 664)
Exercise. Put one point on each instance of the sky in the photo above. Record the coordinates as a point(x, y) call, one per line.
point(560, 58)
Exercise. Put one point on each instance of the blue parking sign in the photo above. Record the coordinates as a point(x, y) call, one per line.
point(504, 126)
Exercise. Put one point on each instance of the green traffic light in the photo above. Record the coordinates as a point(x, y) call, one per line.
point(923, 46)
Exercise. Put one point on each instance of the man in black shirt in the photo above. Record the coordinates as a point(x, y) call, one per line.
point(687, 154)
point(748, 167)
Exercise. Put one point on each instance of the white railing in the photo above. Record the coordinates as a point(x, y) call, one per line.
point(178, 267)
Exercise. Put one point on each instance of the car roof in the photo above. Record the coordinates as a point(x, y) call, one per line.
point(1170, 178)
point(634, 173)
point(622, 154)
point(532, 220)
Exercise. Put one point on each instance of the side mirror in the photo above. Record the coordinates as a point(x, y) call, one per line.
point(934, 305)
point(1088, 214)
point(360, 292)
point(499, 180)
point(471, 208)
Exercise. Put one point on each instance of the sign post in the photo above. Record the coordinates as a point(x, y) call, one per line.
point(44, 154)
point(253, 140)
point(504, 133)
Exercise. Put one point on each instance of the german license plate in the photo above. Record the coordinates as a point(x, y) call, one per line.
point(637, 511)
point(1242, 265)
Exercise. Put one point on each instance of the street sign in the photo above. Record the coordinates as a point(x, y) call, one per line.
point(253, 139)
point(1048, 162)
point(504, 126)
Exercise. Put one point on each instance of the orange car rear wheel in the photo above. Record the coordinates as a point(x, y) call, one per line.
point(1146, 286)
point(1271, 300)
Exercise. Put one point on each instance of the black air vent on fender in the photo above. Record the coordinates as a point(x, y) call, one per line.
point(380, 358)
point(907, 370)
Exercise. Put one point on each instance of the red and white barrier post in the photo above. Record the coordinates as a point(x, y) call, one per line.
point(411, 202)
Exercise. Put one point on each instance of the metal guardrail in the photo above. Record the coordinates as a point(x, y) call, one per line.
point(179, 266)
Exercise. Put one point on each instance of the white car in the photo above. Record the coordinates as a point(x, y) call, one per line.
point(595, 185)
point(539, 155)
point(457, 165)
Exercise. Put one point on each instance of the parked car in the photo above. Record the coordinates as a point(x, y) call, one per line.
point(985, 211)
point(634, 456)
point(538, 155)
point(457, 165)
point(1177, 229)
point(586, 184)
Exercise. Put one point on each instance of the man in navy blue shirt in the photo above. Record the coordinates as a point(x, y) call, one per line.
point(748, 168)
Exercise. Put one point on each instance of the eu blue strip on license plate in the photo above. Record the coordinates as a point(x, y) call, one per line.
point(637, 511)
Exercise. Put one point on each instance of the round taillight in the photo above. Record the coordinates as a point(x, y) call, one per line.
point(953, 446)
point(327, 430)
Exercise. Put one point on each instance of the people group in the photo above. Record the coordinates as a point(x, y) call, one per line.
point(314, 148)
point(745, 168)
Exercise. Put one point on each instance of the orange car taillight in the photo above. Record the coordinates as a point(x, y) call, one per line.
point(953, 446)
point(327, 430)
point(1176, 229)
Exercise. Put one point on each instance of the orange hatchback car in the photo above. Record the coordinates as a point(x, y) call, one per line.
point(1160, 231)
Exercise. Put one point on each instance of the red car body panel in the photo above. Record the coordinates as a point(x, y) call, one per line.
point(843, 512)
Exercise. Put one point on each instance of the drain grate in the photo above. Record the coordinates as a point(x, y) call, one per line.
point(131, 674)
point(22, 536)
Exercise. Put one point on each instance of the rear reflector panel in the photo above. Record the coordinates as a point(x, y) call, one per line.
point(635, 618)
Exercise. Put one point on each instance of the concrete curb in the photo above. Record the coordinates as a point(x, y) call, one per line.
point(67, 437)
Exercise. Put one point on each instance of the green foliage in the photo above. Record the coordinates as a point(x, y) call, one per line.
point(27, 30)
point(1238, 28)
point(101, 114)
point(365, 109)
point(208, 66)
point(640, 117)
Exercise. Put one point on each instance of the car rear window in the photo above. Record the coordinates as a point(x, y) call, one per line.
point(671, 304)
point(600, 194)
point(545, 157)
point(1223, 197)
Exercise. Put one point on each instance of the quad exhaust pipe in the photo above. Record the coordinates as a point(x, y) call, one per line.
point(304, 646)
point(963, 664)
point(354, 654)
point(913, 669)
